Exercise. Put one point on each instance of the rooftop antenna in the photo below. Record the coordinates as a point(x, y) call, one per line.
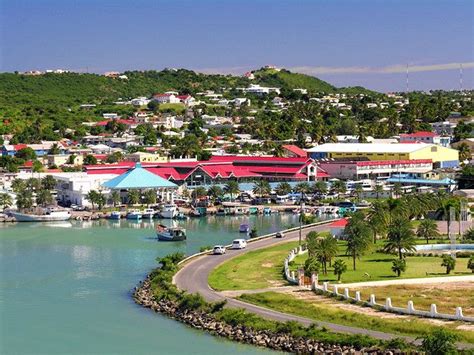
point(407, 88)
point(460, 77)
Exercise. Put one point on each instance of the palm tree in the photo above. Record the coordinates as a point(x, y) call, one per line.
point(48, 182)
point(321, 187)
point(427, 229)
point(215, 192)
point(358, 237)
point(24, 199)
point(283, 188)
point(115, 197)
point(312, 243)
point(198, 193)
point(5, 200)
point(149, 197)
point(93, 197)
point(358, 191)
point(44, 197)
point(378, 189)
point(325, 250)
point(18, 185)
point(449, 263)
point(400, 237)
point(261, 187)
point(311, 266)
point(377, 219)
point(232, 187)
point(397, 189)
point(464, 152)
point(302, 187)
point(399, 266)
point(133, 197)
point(339, 186)
point(340, 267)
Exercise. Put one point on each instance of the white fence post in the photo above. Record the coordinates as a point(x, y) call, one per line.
point(336, 290)
point(357, 296)
point(325, 286)
point(388, 303)
point(372, 300)
point(411, 307)
point(459, 314)
point(346, 293)
point(433, 310)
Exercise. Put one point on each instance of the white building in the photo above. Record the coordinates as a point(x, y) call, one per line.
point(140, 101)
point(166, 98)
point(261, 90)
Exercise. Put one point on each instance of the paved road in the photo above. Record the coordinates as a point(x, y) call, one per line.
point(194, 274)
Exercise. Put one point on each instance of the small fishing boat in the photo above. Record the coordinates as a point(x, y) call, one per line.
point(169, 211)
point(134, 215)
point(115, 215)
point(170, 234)
point(195, 213)
point(181, 216)
point(221, 212)
point(148, 213)
point(244, 228)
point(239, 211)
point(267, 210)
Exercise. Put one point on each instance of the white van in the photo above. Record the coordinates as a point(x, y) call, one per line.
point(239, 244)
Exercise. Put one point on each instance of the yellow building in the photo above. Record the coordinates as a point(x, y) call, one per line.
point(440, 156)
point(61, 159)
point(143, 157)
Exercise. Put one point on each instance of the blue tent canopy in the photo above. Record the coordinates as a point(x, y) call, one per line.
point(138, 178)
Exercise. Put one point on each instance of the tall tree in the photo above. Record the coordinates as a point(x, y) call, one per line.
point(44, 197)
point(149, 197)
point(340, 267)
point(427, 229)
point(283, 188)
point(400, 237)
point(232, 188)
point(326, 249)
point(5, 200)
point(24, 199)
point(261, 187)
point(133, 197)
point(358, 237)
point(115, 197)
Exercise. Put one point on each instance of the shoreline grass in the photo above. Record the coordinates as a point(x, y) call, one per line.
point(324, 312)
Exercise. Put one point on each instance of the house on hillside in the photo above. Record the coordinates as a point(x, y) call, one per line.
point(425, 137)
point(166, 98)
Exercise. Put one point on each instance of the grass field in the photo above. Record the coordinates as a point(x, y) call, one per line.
point(253, 270)
point(263, 268)
point(446, 296)
point(377, 266)
point(325, 311)
point(178, 108)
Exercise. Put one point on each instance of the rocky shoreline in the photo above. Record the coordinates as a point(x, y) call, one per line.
point(276, 341)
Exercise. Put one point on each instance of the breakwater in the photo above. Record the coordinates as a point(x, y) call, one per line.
point(143, 296)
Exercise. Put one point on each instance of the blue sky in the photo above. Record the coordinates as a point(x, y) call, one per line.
point(354, 42)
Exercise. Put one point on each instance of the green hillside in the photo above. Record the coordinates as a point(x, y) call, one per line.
point(286, 79)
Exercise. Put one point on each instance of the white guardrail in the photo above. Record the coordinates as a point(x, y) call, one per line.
point(387, 307)
point(270, 235)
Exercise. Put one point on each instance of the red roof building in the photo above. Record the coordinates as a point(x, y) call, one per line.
point(221, 168)
point(294, 151)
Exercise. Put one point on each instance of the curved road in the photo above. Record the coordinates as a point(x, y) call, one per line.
point(193, 278)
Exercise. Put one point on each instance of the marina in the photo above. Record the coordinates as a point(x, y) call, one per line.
point(80, 275)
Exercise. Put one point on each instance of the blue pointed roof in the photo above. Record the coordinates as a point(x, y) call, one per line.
point(138, 178)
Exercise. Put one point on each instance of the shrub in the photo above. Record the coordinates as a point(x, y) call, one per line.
point(191, 301)
point(205, 248)
point(449, 263)
point(439, 341)
point(253, 233)
point(217, 306)
point(470, 263)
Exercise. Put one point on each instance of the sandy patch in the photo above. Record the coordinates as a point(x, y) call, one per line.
point(268, 265)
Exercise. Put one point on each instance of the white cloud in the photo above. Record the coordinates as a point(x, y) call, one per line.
point(398, 68)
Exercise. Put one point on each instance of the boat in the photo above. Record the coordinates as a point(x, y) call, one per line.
point(115, 215)
point(239, 211)
point(195, 213)
point(267, 210)
point(221, 212)
point(170, 234)
point(169, 211)
point(181, 216)
point(148, 213)
point(253, 210)
point(244, 228)
point(46, 215)
point(134, 215)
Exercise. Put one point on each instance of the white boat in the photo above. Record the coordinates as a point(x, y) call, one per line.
point(42, 216)
point(169, 211)
point(115, 215)
point(244, 228)
point(170, 234)
point(148, 213)
point(134, 215)
point(239, 211)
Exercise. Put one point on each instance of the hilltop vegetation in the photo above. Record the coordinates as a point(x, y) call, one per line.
point(288, 80)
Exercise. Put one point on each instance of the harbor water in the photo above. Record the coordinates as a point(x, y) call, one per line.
point(65, 288)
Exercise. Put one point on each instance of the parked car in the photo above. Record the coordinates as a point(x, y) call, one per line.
point(280, 235)
point(218, 250)
point(239, 244)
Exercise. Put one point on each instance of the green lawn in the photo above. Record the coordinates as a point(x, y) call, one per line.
point(378, 266)
point(178, 108)
point(288, 303)
point(263, 268)
point(253, 270)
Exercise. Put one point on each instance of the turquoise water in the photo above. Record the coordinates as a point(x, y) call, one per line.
point(65, 288)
